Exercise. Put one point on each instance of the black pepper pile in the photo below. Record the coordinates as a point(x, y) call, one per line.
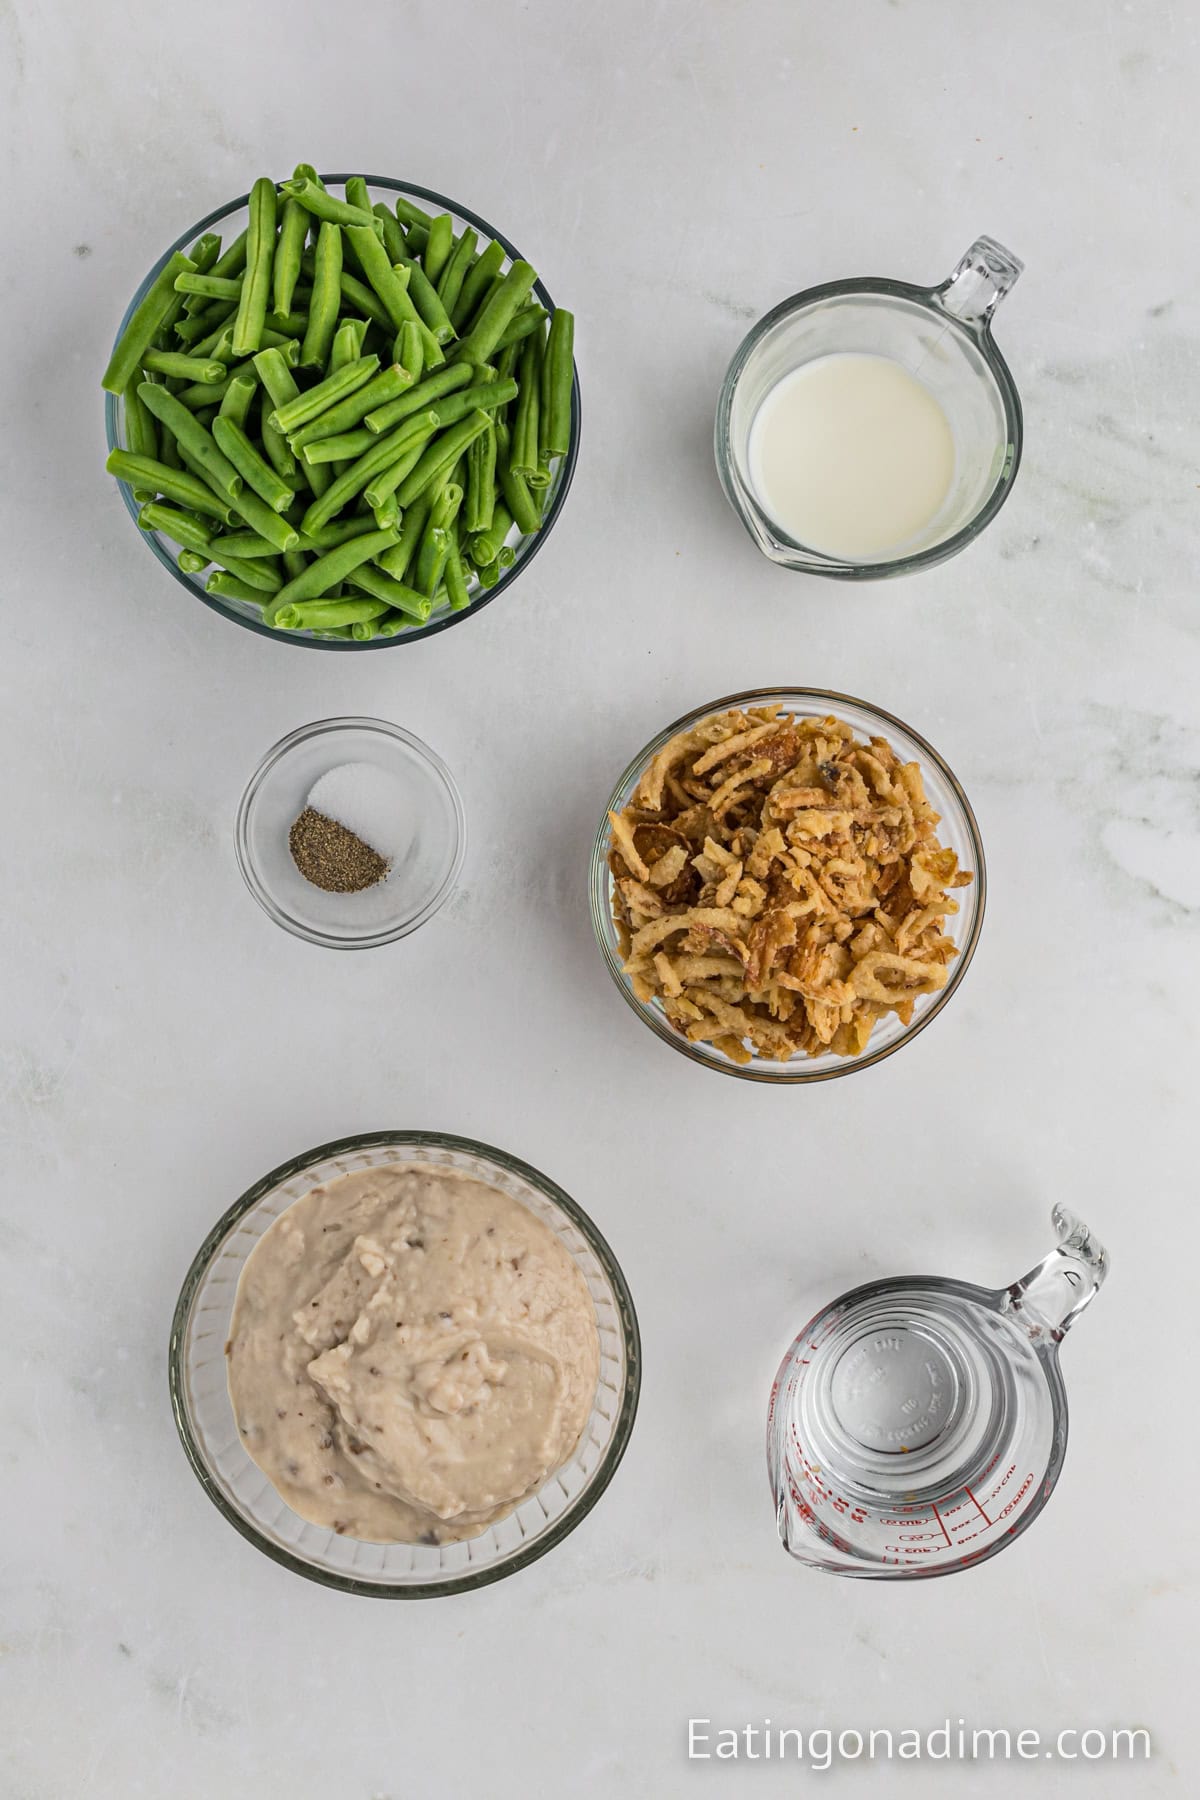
point(333, 858)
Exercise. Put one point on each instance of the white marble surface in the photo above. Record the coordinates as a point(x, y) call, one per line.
point(673, 169)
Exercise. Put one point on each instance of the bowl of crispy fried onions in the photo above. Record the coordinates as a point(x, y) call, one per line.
point(788, 885)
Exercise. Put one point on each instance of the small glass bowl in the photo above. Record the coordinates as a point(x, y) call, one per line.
point(958, 831)
point(431, 823)
point(237, 1486)
point(228, 221)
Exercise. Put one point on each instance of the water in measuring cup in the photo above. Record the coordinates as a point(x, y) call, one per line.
point(917, 1424)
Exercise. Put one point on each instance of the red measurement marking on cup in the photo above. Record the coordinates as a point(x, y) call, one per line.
point(976, 1505)
point(937, 1515)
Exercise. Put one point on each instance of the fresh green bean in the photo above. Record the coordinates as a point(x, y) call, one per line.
point(293, 562)
point(339, 531)
point(388, 514)
point(395, 562)
point(438, 245)
point(361, 298)
point(265, 521)
point(286, 325)
point(486, 545)
point(204, 253)
point(517, 497)
point(337, 448)
point(426, 393)
point(383, 452)
point(454, 270)
point(384, 387)
point(238, 398)
point(506, 556)
point(383, 587)
point(275, 446)
point(358, 195)
point(480, 499)
point(347, 346)
point(211, 287)
point(488, 397)
point(393, 237)
point(200, 332)
point(175, 484)
point(261, 573)
point(187, 528)
point(424, 298)
point(524, 446)
point(389, 284)
point(525, 322)
point(315, 615)
point(255, 471)
point(558, 374)
point(496, 314)
point(192, 561)
point(325, 571)
point(145, 321)
point(233, 259)
point(326, 393)
point(244, 545)
point(431, 559)
point(432, 353)
point(489, 575)
point(168, 450)
point(293, 229)
point(184, 368)
point(408, 351)
point(382, 486)
point(192, 437)
point(141, 432)
point(230, 588)
point(198, 395)
point(496, 282)
point(273, 370)
point(457, 592)
point(323, 205)
point(258, 278)
point(476, 283)
point(325, 303)
point(410, 214)
point(441, 456)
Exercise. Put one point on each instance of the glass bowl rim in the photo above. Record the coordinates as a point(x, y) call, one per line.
point(928, 299)
point(485, 595)
point(416, 1140)
point(277, 754)
point(782, 1074)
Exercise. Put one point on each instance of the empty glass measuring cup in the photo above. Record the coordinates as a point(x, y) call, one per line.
point(918, 1425)
point(941, 337)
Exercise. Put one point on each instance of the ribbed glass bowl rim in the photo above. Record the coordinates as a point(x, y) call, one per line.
point(414, 1140)
point(795, 1072)
point(249, 868)
point(529, 545)
point(929, 299)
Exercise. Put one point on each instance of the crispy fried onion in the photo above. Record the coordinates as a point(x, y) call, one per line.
point(779, 886)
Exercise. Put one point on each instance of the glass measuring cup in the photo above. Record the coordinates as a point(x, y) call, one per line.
point(943, 336)
point(917, 1425)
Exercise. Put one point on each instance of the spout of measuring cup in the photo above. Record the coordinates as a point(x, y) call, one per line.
point(1049, 1299)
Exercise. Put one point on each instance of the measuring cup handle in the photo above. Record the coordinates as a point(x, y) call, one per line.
point(979, 283)
point(1049, 1299)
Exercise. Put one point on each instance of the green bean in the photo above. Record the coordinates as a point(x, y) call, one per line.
point(200, 332)
point(364, 301)
point(286, 325)
point(347, 345)
point(265, 521)
point(322, 614)
point(145, 321)
point(496, 314)
point(393, 237)
point(480, 498)
point(433, 388)
point(457, 592)
point(275, 445)
point(259, 573)
point(233, 260)
point(335, 387)
point(325, 571)
point(141, 432)
point(454, 271)
point(383, 452)
point(441, 456)
point(337, 448)
point(424, 297)
point(184, 368)
point(245, 545)
point(383, 587)
point(517, 497)
point(228, 587)
point(410, 214)
point(386, 386)
point(192, 561)
point(496, 282)
point(438, 245)
point(488, 397)
point(435, 543)
point(325, 303)
point(357, 194)
point(204, 253)
point(339, 531)
point(168, 450)
point(388, 514)
point(176, 484)
point(187, 528)
point(323, 205)
point(198, 395)
point(506, 556)
point(293, 229)
point(254, 469)
point(526, 321)
point(524, 449)
point(212, 287)
point(238, 398)
point(273, 370)
point(558, 373)
point(432, 353)
point(408, 351)
point(391, 626)
point(390, 286)
point(476, 283)
point(192, 436)
point(293, 562)
point(488, 576)
point(382, 486)
point(395, 562)
point(486, 545)
point(258, 278)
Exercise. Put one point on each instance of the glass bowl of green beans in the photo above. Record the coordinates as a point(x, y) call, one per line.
point(345, 423)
